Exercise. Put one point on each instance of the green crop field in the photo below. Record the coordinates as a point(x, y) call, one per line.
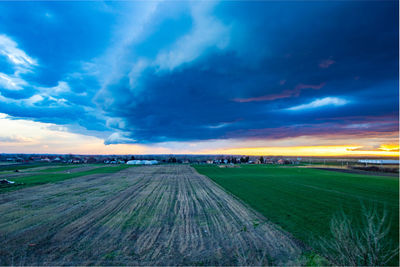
point(60, 168)
point(303, 200)
point(44, 178)
point(12, 167)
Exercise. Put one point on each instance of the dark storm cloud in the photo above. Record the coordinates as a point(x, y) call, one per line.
point(207, 71)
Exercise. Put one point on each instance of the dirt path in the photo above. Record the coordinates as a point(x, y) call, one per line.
point(150, 215)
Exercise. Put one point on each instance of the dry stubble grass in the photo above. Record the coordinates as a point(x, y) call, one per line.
point(150, 215)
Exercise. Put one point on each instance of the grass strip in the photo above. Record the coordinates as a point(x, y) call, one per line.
point(39, 179)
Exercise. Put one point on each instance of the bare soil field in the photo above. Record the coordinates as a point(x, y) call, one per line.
point(150, 215)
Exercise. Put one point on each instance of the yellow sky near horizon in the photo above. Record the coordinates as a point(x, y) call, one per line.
point(25, 136)
point(326, 151)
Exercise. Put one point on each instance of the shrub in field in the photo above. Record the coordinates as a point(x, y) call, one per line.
point(365, 243)
point(248, 257)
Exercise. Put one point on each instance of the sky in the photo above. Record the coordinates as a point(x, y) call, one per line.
point(200, 77)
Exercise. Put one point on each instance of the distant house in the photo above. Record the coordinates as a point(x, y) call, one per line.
point(45, 160)
point(281, 161)
point(35, 158)
point(57, 159)
point(269, 161)
point(76, 161)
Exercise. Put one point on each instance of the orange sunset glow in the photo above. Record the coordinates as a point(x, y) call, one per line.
point(324, 151)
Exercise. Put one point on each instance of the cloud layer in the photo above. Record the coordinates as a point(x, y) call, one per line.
point(151, 72)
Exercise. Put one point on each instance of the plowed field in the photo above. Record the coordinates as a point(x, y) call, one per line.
point(150, 215)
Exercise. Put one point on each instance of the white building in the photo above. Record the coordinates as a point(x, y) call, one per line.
point(142, 162)
point(378, 161)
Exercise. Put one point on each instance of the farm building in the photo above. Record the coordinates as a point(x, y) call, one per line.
point(378, 161)
point(142, 162)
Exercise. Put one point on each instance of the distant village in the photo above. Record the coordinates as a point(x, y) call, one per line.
point(145, 159)
point(181, 159)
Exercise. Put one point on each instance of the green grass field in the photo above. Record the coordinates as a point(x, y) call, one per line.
point(303, 200)
point(60, 168)
point(12, 167)
point(39, 179)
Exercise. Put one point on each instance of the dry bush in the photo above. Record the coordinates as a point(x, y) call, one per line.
point(248, 257)
point(366, 244)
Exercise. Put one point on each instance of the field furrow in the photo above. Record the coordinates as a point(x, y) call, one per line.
point(150, 215)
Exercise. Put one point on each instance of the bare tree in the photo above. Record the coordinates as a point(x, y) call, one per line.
point(353, 244)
